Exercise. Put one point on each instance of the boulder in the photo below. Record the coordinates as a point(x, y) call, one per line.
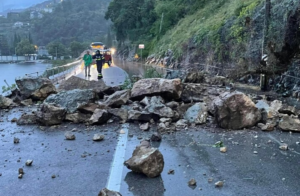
point(121, 113)
point(197, 114)
point(69, 135)
point(235, 111)
point(146, 160)
point(216, 80)
point(51, 114)
point(168, 89)
point(72, 99)
point(166, 127)
point(267, 126)
point(181, 124)
point(157, 107)
point(89, 108)
point(74, 82)
point(5, 102)
point(194, 76)
point(118, 99)
point(139, 115)
point(106, 192)
point(26, 102)
point(36, 88)
point(289, 110)
point(78, 117)
point(27, 119)
point(145, 126)
point(193, 92)
point(289, 123)
point(100, 116)
point(172, 104)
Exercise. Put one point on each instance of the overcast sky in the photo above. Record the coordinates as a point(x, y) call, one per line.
point(17, 4)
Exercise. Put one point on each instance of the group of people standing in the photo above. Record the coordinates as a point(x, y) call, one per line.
point(88, 59)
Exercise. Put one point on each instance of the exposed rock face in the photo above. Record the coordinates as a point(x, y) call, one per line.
point(5, 102)
point(148, 161)
point(289, 123)
point(169, 89)
point(71, 99)
point(121, 113)
point(106, 192)
point(35, 88)
point(197, 114)
point(78, 117)
point(99, 87)
point(118, 99)
point(27, 119)
point(51, 114)
point(235, 111)
point(100, 116)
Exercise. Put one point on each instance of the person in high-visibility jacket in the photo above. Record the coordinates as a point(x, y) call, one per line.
point(99, 62)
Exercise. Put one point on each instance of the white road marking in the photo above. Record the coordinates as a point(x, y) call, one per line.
point(116, 170)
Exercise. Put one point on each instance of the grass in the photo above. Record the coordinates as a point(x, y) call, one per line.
point(204, 25)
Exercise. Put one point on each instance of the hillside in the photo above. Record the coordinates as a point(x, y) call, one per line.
point(225, 37)
point(72, 20)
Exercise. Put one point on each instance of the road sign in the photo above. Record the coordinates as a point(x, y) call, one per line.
point(141, 46)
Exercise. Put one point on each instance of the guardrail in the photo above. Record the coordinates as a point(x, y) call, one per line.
point(59, 73)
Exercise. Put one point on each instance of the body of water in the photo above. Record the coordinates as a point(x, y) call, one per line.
point(11, 71)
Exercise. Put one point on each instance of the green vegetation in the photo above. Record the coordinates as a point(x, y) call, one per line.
point(72, 20)
point(8, 88)
point(25, 47)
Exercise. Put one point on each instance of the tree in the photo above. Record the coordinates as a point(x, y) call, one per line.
point(30, 38)
point(57, 49)
point(76, 48)
point(4, 48)
point(25, 47)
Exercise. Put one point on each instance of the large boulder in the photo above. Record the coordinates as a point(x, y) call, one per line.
point(99, 117)
point(169, 89)
point(156, 106)
point(78, 83)
point(289, 123)
point(194, 76)
point(121, 113)
point(5, 102)
point(193, 92)
point(78, 117)
point(51, 114)
point(135, 115)
point(36, 88)
point(197, 114)
point(89, 108)
point(27, 119)
point(118, 99)
point(72, 99)
point(146, 160)
point(106, 192)
point(235, 111)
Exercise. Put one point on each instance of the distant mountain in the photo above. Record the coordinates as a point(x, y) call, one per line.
point(17, 4)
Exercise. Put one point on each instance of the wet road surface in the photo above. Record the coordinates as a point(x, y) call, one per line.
point(83, 167)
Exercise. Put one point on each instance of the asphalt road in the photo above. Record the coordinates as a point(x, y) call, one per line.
point(84, 167)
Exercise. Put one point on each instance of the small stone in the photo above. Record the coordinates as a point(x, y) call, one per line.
point(156, 137)
point(192, 182)
point(69, 135)
point(144, 127)
point(219, 184)
point(20, 176)
point(122, 131)
point(0, 174)
point(73, 130)
point(140, 137)
point(210, 179)
point(29, 162)
point(14, 120)
point(98, 137)
point(130, 135)
point(297, 143)
point(53, 176)
point(21, 171)
point(223, 149)
point(255, 152)
point(171, 171)
point(110, 121)
point(16, 140)
point(283, 147)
